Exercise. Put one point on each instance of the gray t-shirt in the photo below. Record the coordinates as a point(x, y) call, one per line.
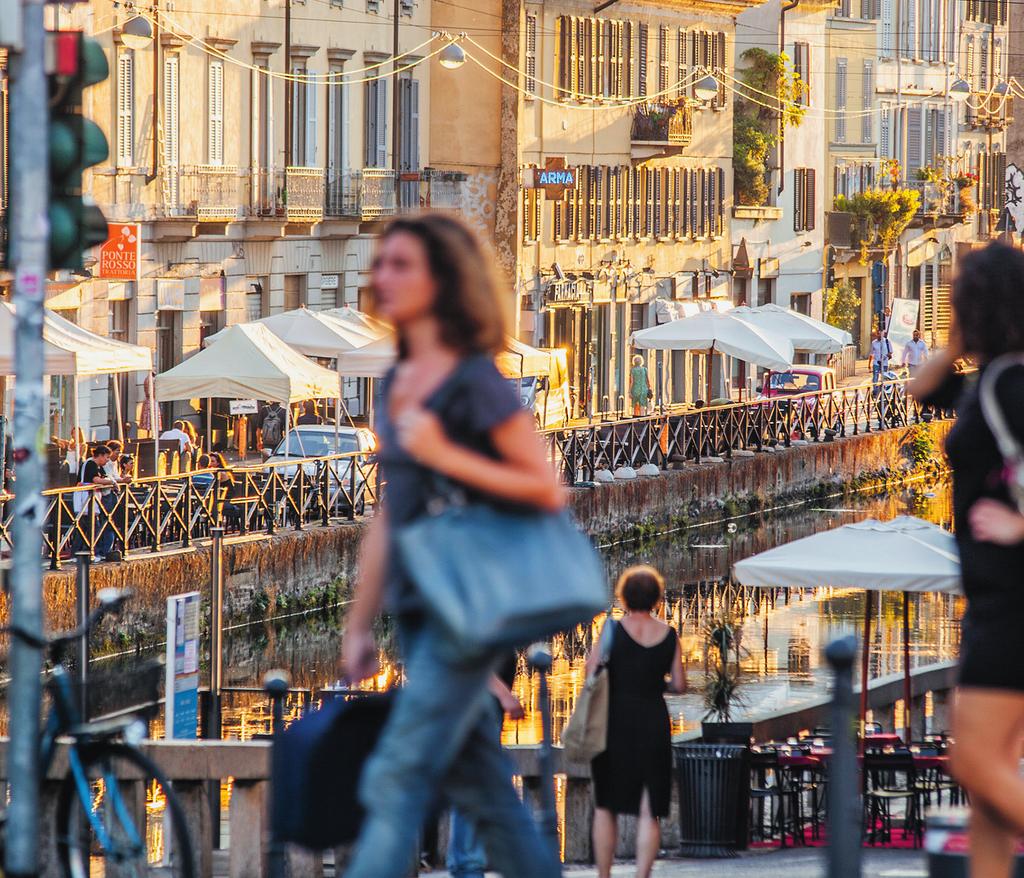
point(473, 400)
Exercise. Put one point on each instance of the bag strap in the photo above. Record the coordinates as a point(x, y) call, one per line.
point(1009, 446)
point(604, 643)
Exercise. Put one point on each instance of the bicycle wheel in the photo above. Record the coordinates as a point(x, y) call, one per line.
point(133, 825)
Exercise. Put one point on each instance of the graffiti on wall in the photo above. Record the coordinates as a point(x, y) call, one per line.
point(1015, 197)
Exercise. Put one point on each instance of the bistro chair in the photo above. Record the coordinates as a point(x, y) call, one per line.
point(890, 778)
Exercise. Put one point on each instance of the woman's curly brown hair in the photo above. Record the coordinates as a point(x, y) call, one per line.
point(467, 305)
point(988, 301)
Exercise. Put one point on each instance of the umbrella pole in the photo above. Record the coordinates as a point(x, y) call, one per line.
point(153, 431)
point(209, 424)
point(711, 361)
point(117, 406)
point(907, 724)
point(869, 600)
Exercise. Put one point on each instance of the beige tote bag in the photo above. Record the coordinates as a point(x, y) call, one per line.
point(586, 734)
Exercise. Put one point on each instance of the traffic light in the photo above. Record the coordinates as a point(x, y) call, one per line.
point(75, 143)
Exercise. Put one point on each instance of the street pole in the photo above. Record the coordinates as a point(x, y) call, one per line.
point(289, 86)
point(29, 119)
point(843, 800)
point(396, 105)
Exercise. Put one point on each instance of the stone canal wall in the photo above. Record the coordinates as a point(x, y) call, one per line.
point(293, 570)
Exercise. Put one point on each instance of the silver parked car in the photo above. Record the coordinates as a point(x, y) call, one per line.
point(319, 440)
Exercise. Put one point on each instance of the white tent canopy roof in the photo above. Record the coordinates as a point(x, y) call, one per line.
point(378, 328)
point(721, 333)
point(805, 333)
point(312, 333)
point(374, 360)
point(248, 362)
point(70, 350)
point(904, 554)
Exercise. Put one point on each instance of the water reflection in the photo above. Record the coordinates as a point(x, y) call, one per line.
point(782, 631)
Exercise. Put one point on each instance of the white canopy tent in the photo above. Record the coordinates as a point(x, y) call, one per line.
point(311, 333)
point(70, 350)
point(716, 332)
point(805, 333)
point(249, 362)
point(353, 315)
point(373, 361)
point(905, 554)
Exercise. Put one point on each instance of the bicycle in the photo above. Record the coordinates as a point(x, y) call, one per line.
point(103, 824)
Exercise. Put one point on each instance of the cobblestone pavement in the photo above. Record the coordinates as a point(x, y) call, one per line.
point(804, 863)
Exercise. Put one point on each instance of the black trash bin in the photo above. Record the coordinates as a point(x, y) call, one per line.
point(714, 798)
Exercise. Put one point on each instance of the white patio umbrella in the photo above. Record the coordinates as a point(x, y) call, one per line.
point(905, 554)
point(805, 333)
point(311, 333)
point(718, 333)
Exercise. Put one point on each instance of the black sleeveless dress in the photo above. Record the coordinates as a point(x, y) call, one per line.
point(639, 752)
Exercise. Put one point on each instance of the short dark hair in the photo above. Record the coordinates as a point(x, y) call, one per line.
point(100, 450)
point(204, 461)
point(114, 445)
point(640, 588)
point(988, 301)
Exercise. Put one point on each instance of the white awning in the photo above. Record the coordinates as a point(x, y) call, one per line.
point(373, 361)
point(311, 333)
point(806, 333)
point(249, 362)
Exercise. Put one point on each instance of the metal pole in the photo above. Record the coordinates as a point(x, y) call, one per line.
point(288, 86)
point(81, 614)
point(907, 725)
point(843, 805)
point(276, 684)
point(865, 657)
point(213, 720)
point(116, 381)
point(540, 660)
point(29, 194)
point(396, 105)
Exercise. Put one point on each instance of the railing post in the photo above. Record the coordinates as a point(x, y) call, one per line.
point(540, 660)
point(844, 848)
point(352, 489)
point(276, 684)
point(325, 493)
point(82, 596)
point(186, 537)
point(212, 726)
point(55, 546)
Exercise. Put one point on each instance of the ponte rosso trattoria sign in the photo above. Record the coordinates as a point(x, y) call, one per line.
point(554, 178)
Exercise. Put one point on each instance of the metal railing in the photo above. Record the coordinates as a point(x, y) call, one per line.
point(303, 194)
point(687, 434)
point(161, 512)
point(379, 192)
point(210, 193)
point(173, 511)
point(670, 123)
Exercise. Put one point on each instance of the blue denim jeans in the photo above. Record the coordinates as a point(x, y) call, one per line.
point(466, 855)
point(439, 739)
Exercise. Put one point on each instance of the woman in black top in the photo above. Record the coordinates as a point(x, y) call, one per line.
point(988, 722)
point(634, 774)
point(448, 412)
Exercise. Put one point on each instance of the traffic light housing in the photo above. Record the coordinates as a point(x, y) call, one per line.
point(75, 143)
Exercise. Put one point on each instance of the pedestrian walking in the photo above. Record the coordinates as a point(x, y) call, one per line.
point(881, 353)
point(988, 497)
point(634, 773)
point(915, 352)
point(448, 417)
point(639, 387)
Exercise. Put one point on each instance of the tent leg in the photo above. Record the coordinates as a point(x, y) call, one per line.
point(153, 427)
point(209, 424)
point(907, 723)
point(74, 417)
point(117, 406)
point(865, 657)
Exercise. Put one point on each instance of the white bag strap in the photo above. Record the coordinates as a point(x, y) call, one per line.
point(604, 644)
point(1009, 445)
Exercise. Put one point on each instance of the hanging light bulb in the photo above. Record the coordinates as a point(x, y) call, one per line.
point(706, 88)
point(137, 33)
point(1001, 89)
point(960, 90)
point(452, 56)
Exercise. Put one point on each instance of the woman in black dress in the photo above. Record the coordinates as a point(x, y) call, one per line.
point(634, 774)
point(988, 721)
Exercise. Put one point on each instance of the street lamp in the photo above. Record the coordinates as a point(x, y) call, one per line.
point(452, 56)
point(706, 88)
point(1001, 90)
point(960, 90)
point(137, 33)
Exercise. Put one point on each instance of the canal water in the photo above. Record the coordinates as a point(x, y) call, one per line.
point(782, 631)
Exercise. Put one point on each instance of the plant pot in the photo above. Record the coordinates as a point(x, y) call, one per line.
point(726, 733)
point(714, 798)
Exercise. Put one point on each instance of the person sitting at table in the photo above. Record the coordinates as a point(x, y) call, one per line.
point(633, 774)
point(179, 434)
point(204, 479)
point(309, 414)
point(229, 488)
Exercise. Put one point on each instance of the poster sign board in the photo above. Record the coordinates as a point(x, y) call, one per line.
point(554, 178)
point(181, 694)
point(902, 324)
point(119, 254)
point(243, 407)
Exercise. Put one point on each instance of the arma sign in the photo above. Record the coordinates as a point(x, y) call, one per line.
point(554, 178)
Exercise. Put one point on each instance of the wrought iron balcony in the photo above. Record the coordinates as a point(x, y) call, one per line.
point(303, 194)
point(989, 111)
point(207, 193)
point(663, 124)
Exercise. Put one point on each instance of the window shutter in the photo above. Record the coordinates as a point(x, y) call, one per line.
point(798, 200)
point(999, 181)
point(627, 52)
point(309, 158)
point(705, 204)
point(841, 100)
point(926, 29)
point(125, 108)
point(910, 31)
point(884, 138)
point(810, 199)
point(370, 124)
point(562, 61)
point(720, 209)
point(642, 61)
point(867, 134)
point(983, 65)
point(681, 71)
point(382, 123)
point(718, 61)
point(169, 129)
point(886, 18)
point(662, 59)
point(215, 113)
point(913, 138)
point(694, 204)
point(801, 66)
point(940, 135)
point(713, 203)
point(531, 56)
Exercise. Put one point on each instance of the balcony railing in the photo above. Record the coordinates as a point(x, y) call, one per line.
point(669, 124)
point(442, 190)
point(209, 193)
point(989, 111)
point(940, 206)
point(303, 194)
point(378, 193)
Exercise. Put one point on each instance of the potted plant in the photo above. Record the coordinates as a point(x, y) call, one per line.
point(721, 688)
point(965, 184)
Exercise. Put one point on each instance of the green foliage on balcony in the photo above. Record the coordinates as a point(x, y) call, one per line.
point(770, 102)
point(884, 215)
point(842, 305)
